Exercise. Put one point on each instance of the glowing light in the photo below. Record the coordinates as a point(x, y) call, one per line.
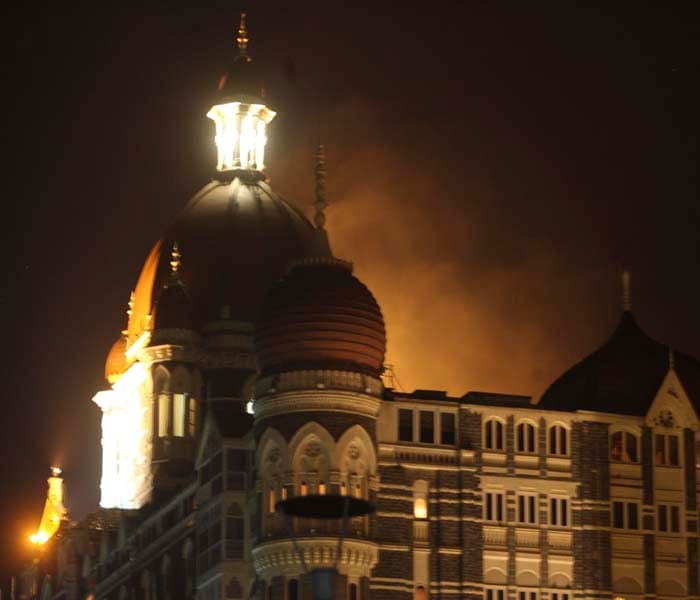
point(240, 134)
point(54, 510)
point(141, 342)
point(126, 434)
point(420, 508)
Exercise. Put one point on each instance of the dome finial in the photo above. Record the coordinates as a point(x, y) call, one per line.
point(321, 245)
point(175, 262)
point(321, 202)
point(242, 39)
point(626, 295)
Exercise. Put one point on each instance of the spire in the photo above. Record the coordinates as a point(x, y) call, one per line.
point(242, 39)
point(175, 262)
point(626, 296)
point(321, 245)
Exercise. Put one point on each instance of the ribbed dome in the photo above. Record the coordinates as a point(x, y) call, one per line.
point(236, 240)
point(320, 316)
point(622, 376)
point(116, 362)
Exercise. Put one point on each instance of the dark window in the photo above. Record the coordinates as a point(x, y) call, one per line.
point(525, 437)
point(493, 435)
point(660, 449)
point(292, 589)
point(405, 425)
point(631, 446)
point(675, 519)
point(632, 516)
point(353, 591)
point(427, 433)
point(619, 515)
point(673, 450)
point(663, 518)
point(447, 429)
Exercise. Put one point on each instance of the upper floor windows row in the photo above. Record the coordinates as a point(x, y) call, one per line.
point(424, 426)
point(525, 438)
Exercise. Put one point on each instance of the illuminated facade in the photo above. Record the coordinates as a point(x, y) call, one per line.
point(251, 371)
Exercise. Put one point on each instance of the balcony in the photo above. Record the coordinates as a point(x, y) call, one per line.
point(559, 540)
point(494, 535)
point(275, 527)
point(527, 538)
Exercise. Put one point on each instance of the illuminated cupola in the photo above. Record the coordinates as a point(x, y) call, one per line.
point(240, 114)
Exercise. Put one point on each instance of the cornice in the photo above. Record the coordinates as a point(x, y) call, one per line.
point(314, 400)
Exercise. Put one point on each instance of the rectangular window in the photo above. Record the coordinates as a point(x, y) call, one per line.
point(625, 515)
point(527, 595)
point(447, 429)
point(667, 451)
point(494, 506)
point(494, 594)
point(559, 596)
point(163, 414)
point(179, 415)
point(191, 418)
point(405, 425)
point(427, 433)
point(559, 512)
point(527, 508)
point(669, 518)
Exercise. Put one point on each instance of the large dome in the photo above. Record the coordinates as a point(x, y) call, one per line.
point(622, 376)
point(320, 316)
point(236, 238)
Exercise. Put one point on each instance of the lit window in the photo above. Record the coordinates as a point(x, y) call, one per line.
point(420, 499)
point(284, 493)
point(303, 488)
point(625, 515)
point(623, 447)
point(525, 438)
point(447, 429)
point(427, 429)
point(558, 440)
point(163, 414)
point(343, 489)
point(420, 593)
point(358, 491)
point(322, 488)
point(494, 506)
point(192, 418)
point(559, 512)
point(669, 518)
point(527, 508)
point(666, 452)
point(493, 435)
point(271, 500)
point(405, 425)
point(179, 415)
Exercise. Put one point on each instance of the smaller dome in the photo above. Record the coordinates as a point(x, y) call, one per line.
point(116, 362)
point(173, 310)
point(320, 316)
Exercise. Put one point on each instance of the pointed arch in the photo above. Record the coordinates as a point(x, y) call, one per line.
point(180, 379)
point(311, 450)
point(272, 439)
point(359, 436)
point(311, 429)
point(161, 379)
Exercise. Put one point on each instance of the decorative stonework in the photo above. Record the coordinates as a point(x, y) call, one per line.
point(316, 400)
point(318, 379)
point(277, 558)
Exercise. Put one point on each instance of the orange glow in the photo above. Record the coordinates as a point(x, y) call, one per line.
point(54, 511)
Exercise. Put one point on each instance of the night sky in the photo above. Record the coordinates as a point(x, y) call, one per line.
point(492, 169)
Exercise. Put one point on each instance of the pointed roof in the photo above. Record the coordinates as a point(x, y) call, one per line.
point(623, 375)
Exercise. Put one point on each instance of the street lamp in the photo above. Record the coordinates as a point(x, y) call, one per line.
point(323, 507)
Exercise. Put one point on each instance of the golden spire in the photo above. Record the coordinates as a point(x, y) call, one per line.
point(132, 301)
point(242, 39)
point(321, 202)
point(175, 262)
point(626, 295)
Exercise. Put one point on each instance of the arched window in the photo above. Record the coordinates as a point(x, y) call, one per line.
point(558, 440)
point(624, 447)
point(352, 592)
point(358, 491)
point(271, 500)
point(293, 589)
point(322, 487)
point(525, 438)
point(343, 489)
point(493, 435)
point(420, 593)
point(303, 488)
